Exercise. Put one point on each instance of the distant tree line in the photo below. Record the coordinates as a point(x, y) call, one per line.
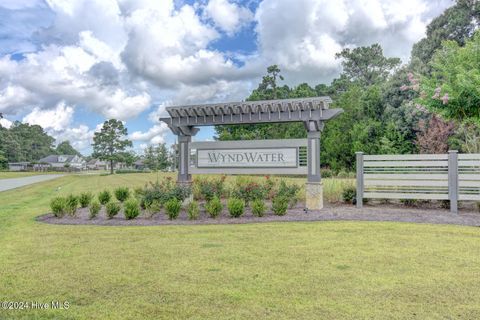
point(23, 142)
point(427, 106)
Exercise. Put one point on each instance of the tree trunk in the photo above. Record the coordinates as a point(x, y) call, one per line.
point(111, 166)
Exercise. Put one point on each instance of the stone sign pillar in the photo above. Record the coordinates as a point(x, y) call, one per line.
point(314, 186)
point(184, 135)
point(184, 175)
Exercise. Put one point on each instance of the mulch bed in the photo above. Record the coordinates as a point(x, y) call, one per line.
point(331, 212)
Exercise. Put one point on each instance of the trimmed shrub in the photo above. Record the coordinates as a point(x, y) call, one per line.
point(349, 194)
point(172, 207)
point(94, 208)
point(280, 205)
point(122, 193)
point(154, 207)
point(214, 207)
point(193, 210)
point(258, 208)
point(289, 191)
point(84, 199)
point(131, 208)
point(208, 188)
point(104, 197)
point(58, 206)
point(71, 204)
point(236, 207)
point(249, 191)
point(112, 208)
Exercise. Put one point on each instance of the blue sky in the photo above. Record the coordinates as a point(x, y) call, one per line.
point(70, 65)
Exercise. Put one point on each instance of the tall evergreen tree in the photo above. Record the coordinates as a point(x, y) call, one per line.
point(111, 142)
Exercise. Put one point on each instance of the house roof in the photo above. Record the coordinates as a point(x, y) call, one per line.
point(53, 158)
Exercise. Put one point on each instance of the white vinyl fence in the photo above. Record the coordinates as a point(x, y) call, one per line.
point(449, 176)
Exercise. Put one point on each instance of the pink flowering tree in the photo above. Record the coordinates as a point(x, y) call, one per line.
point(453, 88)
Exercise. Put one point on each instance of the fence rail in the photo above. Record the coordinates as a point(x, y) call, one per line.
point(451, 176)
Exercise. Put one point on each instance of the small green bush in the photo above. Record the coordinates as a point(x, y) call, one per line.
point(326, 173)
point(342, 174)
point(58, 206)
point(280, 205)
point(71, 204)
point(289, 191)
point(258, 208)
point(132, 208)
point(153, 207)
point(85, 198)
point(193, 210)
point(94, 208)
point(349, 194)
point(236, 207)
point(172, 207)
point(122, 193)
point(112, 208)
point(214, 207)
point(104, 197)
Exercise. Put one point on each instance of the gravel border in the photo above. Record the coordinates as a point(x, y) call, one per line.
point(331, 212)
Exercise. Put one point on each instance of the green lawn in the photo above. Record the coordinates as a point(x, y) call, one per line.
point(320, 270)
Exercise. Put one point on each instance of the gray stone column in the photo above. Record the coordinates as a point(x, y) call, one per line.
point(314, 186)
point(184, 159)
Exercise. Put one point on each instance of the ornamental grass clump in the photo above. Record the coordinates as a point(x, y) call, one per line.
point(236, 207)
point(104, 197)
point(258, 208)
point(193, 210)
point(280, 205)
point(131, 208)
point(214, 207)
point(122, 193)
point(84, 199)
point(94, 208)
point(112, 209)
point(172, 208)
point(71, 204)
point(58, 206)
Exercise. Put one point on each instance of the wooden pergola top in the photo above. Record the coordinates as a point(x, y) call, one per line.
point(250, 107)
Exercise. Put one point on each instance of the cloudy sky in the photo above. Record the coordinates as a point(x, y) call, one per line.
point(68, 65)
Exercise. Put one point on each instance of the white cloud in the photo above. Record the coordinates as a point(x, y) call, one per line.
point(304, 37)
point(228, 16)
point(154, 135)
point(57, 119)
point(5, 123)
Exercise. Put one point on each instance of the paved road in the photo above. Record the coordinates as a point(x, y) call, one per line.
point(7, 184)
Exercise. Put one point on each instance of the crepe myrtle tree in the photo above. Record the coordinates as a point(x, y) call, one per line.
point(110, 143)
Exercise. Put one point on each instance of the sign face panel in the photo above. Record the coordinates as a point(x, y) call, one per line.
point(248, 158)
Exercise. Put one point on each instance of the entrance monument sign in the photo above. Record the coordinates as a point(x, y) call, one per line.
point(290, 156)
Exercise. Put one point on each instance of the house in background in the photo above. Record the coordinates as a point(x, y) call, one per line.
point(139, 164)
point(96, 164)
point(59, 162)
point(18, 166)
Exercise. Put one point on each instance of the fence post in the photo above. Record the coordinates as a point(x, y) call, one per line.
point(453, 180)
point(359, 156)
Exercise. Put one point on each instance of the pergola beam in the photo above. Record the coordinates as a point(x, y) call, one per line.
point(250, 118)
